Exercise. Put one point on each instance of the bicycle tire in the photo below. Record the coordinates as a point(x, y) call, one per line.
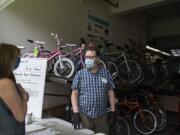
point(50, 64)
point(142, 129)
point(163, 75)
point(78, 65)
point(113, 69)
point(123, 74)
point(101, 63)
point(160, 114)
point(150, 75)
point(61, 72)
point(122, 127)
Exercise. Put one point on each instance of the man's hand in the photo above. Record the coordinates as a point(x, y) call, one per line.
point(113, 119)
point(76, 121)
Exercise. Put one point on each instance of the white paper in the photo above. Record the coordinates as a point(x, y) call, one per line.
point(64, 127)
point(31, 75)
point(47, 132)
point(33, 127)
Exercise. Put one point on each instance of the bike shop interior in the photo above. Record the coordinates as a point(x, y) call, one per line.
point(138, 41)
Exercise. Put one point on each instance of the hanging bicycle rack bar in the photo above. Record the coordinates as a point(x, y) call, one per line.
point(112, 3)
point(53, 78)
point(55, 95)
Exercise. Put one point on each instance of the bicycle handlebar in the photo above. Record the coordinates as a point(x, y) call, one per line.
point(36, 42)
point(71, 45)
point(58, 39)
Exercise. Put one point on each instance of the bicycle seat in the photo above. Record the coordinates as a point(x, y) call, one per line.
point(40, 42)
point(63, 46)
point(21, 47)
point(36, 42)
point(71, 45)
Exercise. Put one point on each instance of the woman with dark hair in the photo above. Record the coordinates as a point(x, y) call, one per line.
point(13, 98)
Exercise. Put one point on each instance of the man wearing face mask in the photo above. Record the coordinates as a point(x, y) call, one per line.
point(92, 88)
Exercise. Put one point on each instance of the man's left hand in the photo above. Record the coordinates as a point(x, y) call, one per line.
point(113, 119)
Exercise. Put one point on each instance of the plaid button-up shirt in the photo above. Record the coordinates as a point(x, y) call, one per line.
point(93, 91)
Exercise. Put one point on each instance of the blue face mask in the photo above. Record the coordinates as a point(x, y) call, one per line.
point(89, 63)
point(18, 60)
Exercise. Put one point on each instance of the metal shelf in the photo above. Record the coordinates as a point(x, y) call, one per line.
point(53, 78)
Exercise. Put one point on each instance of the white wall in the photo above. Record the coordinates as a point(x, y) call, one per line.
point(36, 19)
point(166, 27)
point(166, 32)
point(133, 27)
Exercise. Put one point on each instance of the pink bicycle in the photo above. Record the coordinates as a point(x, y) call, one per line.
point(38, 48)
point(57, 61)
point(77, 56)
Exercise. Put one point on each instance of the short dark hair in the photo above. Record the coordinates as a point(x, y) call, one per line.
point(92, 47)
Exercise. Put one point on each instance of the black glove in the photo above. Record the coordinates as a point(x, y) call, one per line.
point(76, 120)
point(113, 119)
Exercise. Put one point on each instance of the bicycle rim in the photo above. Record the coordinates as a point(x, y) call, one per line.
point(46, 54)
point(68, 69)
point(112, 69)
point(131, 76)
point(150, 75)
point(147, 125)
point(122, 127)
point(160, 116)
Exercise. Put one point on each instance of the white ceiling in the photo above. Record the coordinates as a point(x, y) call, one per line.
point(5, 3)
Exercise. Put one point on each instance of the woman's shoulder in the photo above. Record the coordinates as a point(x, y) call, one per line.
point(6, 81)
point(5, 84)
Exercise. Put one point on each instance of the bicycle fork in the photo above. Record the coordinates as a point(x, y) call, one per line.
point(126, 63)
point(61, 63)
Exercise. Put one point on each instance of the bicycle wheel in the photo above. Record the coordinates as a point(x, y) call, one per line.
point(50, 64)
point(162, 75)
point(160, 116)
point(101, 63)
point(78, 65)
point(150, 74)
point(145, 122)
point(113, 69)
point(122, 127)
point(134, 73)
point(67, 70)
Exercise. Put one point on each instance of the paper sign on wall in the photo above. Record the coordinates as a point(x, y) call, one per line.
point(31, 74)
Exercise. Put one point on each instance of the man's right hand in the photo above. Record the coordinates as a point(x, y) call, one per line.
point(76, 121)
